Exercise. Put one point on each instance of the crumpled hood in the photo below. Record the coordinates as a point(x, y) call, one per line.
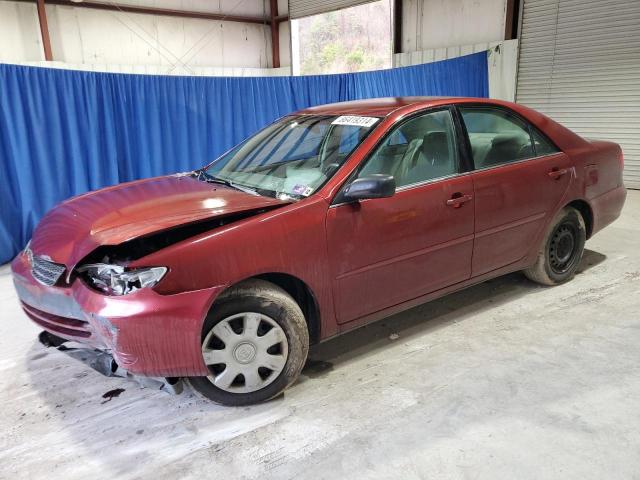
point(116, 214)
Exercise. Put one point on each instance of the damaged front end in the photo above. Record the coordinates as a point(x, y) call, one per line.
point(106, 267)
point(83, 277)
point(111, 313)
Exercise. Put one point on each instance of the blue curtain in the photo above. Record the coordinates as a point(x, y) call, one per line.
point(65, 132)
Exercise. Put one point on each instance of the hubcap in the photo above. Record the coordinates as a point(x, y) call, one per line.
point(562, 248)
point(245, 352)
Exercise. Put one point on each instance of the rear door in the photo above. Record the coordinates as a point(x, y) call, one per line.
point(387, 251)
point(520, 178)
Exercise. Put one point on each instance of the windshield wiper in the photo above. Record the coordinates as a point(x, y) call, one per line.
point(203, 176)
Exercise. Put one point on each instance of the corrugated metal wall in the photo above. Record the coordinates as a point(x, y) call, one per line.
point(580, 64)
point(305, 8)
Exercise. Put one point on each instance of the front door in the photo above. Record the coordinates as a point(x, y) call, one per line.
point(384, 252)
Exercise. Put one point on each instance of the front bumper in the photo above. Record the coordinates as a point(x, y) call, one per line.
point(147, 333)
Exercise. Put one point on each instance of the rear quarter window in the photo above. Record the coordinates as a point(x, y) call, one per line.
point(542, 145)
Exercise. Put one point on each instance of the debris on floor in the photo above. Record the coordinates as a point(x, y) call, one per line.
point(111, 394)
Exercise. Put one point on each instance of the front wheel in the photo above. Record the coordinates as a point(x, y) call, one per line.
point(255, 342)
point(561, 249)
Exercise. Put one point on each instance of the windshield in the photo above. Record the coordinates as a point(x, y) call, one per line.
point(293, 157)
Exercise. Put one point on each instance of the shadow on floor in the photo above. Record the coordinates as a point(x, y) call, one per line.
point(589, 260)
point(427, 317)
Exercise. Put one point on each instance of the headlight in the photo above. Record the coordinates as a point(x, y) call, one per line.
point(119, 280)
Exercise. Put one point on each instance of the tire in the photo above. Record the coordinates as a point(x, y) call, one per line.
point(561, 250)
point(251, 316)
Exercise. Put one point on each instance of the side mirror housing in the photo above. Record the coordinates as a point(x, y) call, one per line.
point(371, 186)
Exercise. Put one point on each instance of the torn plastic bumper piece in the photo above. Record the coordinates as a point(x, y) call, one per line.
point(104, 363)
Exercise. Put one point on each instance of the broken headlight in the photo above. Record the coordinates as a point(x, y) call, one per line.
point(119, 280)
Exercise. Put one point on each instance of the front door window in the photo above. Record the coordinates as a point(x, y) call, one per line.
point(419, 150)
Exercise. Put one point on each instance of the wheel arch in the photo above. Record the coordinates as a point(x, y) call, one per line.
point(587, 214)
point(299, 291)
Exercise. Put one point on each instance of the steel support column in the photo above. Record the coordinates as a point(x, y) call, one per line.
point(397, 26)
point(275, 34)
point(44, 30)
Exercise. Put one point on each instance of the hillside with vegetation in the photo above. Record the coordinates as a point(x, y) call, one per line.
point(350, 40)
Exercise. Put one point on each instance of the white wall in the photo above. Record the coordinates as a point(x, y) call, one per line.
point(431, 24)
point(502, 60)
point(285, 44)
point(285, 35)
point(435, 30)
point(19, 33)
point(78, 36)
point(117, 41)
point(503, 70)
point(113, 41)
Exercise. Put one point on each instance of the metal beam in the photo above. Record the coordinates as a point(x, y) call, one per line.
point(511, 20)
point(114, 7)
point(44, 30)
point(275, 34)
point(397, 26)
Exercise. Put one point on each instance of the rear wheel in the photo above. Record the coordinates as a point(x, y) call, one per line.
point(561, 250)
point(254, 342)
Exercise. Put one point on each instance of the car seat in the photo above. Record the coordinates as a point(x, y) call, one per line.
point(506, 148)
point(432, 159)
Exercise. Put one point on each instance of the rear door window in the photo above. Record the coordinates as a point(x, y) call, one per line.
point(496, 136)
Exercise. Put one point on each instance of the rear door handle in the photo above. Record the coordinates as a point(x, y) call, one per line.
point(556, 173)
point(457, 199)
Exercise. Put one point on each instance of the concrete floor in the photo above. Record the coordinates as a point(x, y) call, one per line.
point(504, 380)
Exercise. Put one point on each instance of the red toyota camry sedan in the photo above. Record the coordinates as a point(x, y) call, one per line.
point(330, 218)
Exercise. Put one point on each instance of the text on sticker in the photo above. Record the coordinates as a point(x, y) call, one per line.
point(355, 120)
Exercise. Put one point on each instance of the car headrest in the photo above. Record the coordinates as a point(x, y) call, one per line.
point(435, 146)
point(504, 139)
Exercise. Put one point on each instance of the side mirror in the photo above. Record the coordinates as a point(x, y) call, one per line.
point(371, 186)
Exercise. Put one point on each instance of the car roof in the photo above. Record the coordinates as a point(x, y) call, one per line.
point(381, 107)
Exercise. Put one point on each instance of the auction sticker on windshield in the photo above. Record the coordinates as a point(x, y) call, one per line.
point(302, 190)
point(355, 121)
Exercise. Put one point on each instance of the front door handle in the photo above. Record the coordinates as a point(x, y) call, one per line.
point(556, 173)
point(457, 199)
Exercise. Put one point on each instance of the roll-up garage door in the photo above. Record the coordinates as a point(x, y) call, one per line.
point(305, 8)
point(580, 64)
